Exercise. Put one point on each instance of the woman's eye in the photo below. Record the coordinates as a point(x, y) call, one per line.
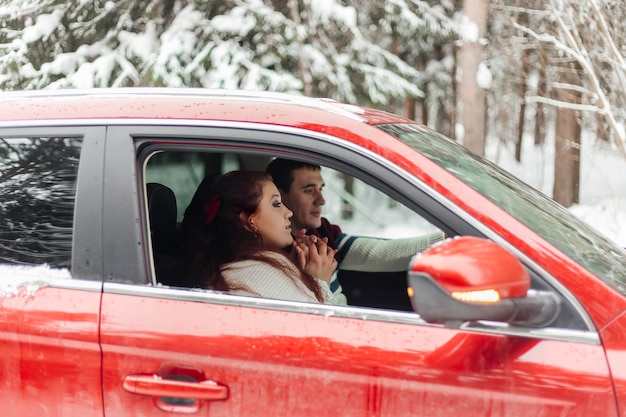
point(277, 204)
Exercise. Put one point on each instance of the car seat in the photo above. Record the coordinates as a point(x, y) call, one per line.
point(162, 212)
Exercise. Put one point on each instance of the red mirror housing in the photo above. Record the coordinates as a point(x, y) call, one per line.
point(469, 279)
point(468, 263)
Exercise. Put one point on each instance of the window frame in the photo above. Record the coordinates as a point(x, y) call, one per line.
point(86, 262)
point(314, 147)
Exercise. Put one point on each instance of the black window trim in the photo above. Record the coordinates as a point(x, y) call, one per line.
point(86, 262)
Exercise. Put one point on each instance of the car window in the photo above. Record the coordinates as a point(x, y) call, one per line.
point(171, 179)
point(356, 200)
point(361, 208)
point(179, 171)
point(37, 193)
point(540, 213)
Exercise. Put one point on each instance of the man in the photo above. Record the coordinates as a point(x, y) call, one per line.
point(301, 187)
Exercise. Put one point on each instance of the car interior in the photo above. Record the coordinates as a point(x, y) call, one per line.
point(173, 177)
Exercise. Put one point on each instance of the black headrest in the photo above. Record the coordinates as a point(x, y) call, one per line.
point(162, 211)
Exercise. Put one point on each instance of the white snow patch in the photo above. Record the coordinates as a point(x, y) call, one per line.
point(484, 76)
point(15, 280)
point(142, 45)
point(238, 21)
point(44, 26)
point(324, 10)
point(459, 132)
point(469, 30)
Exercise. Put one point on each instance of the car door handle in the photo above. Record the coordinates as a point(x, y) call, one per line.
point(157, 386)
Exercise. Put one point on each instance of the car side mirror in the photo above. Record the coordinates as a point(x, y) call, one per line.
point(467, 278)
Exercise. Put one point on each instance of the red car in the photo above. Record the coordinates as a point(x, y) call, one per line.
point(520, 313)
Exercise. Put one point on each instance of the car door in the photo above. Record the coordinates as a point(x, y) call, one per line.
point(177, 350)
point(50, 271)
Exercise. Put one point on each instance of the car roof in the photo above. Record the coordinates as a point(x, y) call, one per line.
point(182, 103)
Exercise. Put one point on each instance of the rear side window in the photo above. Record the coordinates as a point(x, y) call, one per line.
point(37, 193)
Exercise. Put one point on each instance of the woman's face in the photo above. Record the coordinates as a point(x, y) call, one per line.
point(271, 219)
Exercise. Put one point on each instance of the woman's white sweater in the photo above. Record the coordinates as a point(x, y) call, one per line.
point(260, 279)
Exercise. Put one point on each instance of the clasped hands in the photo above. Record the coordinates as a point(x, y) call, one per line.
point(314, 255)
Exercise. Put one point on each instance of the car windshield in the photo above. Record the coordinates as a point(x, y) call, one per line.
point(541, 214)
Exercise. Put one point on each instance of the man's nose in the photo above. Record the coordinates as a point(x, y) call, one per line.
point(319, 198)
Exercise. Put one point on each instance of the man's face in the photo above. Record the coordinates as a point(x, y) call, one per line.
point(305, 199)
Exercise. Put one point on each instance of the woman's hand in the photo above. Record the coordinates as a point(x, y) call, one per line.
point(300, 250)
point(320, 260)
point(314, 255)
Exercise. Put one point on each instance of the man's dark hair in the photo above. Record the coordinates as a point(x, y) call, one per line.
point(281, 171)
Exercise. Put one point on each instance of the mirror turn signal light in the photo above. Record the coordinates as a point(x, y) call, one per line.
point(480, 296)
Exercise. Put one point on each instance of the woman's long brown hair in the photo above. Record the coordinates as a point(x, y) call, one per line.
point(209, 245)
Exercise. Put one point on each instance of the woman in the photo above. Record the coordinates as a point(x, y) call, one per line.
point(237, 242)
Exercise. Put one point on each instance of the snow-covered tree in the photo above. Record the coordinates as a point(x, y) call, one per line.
point(593, 34)
point(560, 59)
point(315, 47)
point(421, 33)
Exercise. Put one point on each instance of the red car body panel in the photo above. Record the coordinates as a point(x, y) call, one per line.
point(615, 345)
point(51, 354)
point(278, 363)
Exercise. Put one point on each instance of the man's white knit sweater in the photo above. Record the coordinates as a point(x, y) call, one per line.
point(367, 254)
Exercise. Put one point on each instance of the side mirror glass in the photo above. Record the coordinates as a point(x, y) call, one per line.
point(469, 279)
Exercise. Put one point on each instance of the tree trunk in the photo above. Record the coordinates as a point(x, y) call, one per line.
point(567, 145)
point(454, 104)
point(603, 131)
point(346, 208)
point(540, 122)
point(522, 108)
point(472, 96)
point(523, 87)
point(303, 62)
point(409, 108)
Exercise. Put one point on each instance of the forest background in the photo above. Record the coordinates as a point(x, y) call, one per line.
point(536, 86)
